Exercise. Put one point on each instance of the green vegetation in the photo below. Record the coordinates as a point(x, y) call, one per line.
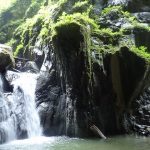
point(18, 50)
point(78, 18)
point(81, 6)
point(33, 8)
point(41, 20)
point(142, 52)
point(13, 16)
point(109, 9)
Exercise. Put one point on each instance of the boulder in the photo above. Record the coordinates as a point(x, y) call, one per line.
point(132, 5)
point(6, 58)
point(143, 17)
point(138, 5)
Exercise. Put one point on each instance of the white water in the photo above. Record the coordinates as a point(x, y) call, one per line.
point(27, 83)
point(117, 2)
point(7, 121)
point(19, 115)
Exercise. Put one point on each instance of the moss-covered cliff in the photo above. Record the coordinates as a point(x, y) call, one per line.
point(95, 57)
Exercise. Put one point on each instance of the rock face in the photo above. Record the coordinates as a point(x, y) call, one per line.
point(94, 66)
point(78, 92)
point(70, 100)
point(6, 58)
point(138, 6)
point(143, 17)
point(132, 5)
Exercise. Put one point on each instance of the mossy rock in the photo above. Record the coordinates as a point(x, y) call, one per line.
point(67, 44)
point(127, 70)
point(142, 37)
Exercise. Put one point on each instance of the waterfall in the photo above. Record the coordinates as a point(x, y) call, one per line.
point(7, 120)
point(18, 115)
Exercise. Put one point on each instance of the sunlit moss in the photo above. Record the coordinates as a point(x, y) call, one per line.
point(19, 49)
point(109, 9)
point(81, 6)
point(78, 18)
point(142, 52)
point(120, 12)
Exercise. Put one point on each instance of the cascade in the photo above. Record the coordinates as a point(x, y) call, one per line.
point(7, 120)
point(19, 117)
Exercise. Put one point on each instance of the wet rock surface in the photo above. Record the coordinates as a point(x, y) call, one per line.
point(70, 98)
point(139, 117)
point(132, 5)
point(7, 60)
point(64, 99)
point(143, 17)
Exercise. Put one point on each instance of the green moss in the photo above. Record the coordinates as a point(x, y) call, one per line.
point(56, 16)
point(18, 50)
point(120, 13)
point(108, 32)
point(43, 24)
point(142, 52)
point(44, 32)
point(109, 9)
point(135, 26)
point(78, 18)
point(81, 6)
point(128, 15)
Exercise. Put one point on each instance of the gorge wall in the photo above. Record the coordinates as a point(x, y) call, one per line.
point(94, 62)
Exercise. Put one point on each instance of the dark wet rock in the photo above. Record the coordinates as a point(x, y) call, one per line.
point(125, 73)
point(7, 60)
point(132, 5)
point(64, 100)
point(141, 123)
point(7, 87)
point(2, 136)
point(51, 105)
point(143, 17)
point(141, 37)
point(30, 66)
point(138, 6)
point(114, 19)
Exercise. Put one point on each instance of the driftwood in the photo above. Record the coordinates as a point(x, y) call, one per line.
point(97, 131)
